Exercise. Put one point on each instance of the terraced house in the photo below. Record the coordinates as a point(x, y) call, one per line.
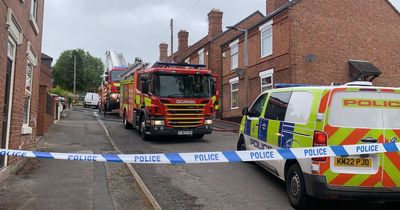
point(20, 51)
point(312, 42)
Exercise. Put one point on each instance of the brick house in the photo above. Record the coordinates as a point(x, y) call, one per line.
point(207, 50)
point(312, 42)
point(21, 39)
point(46, 103)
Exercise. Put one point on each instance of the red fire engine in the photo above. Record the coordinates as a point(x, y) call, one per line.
point(169, 99)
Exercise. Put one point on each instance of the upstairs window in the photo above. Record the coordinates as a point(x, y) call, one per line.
point(34, 6)
point(234, 48)
point(234, 83)
point(201, 56)
point(266, 39)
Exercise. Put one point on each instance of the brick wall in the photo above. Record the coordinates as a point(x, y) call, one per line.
point(279, 61)
point(338, 30)
point(21, 12)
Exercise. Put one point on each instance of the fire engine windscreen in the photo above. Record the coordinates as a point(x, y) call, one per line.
point(182, 86)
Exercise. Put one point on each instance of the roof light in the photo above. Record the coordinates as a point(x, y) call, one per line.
point(359, 83)
point(286, 85)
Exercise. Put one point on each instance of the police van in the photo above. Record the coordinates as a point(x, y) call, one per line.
point(296, 116)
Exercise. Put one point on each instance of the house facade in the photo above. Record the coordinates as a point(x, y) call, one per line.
point(311, 42)
point(46, 102)
point(20, 38)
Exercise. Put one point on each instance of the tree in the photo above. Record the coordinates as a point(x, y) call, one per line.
point(89, 71)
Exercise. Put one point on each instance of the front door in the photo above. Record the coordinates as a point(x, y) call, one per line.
point(7, 99)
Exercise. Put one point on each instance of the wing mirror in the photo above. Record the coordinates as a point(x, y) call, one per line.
point(245, 111)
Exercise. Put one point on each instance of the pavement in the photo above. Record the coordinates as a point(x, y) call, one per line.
point(58, 184)
point(226, 126)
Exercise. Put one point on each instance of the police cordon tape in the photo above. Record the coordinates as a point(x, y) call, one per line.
point(215, 157)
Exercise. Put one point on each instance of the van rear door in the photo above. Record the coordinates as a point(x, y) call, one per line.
point(391, 123)
point(355, 116)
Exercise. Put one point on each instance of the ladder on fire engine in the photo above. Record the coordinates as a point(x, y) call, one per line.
point(177, 65)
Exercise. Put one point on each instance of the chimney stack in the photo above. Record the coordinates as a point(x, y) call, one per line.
point(163, 51)
point(214, 23)
point(182, 40)
point(273, 5)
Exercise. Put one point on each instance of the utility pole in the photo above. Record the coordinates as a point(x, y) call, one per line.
point(172, 38)
point(74, 75)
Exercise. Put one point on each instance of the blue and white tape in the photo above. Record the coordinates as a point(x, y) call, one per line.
point(215, 157)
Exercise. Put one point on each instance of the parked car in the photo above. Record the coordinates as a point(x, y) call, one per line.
point(91, 100)
point(298, 117)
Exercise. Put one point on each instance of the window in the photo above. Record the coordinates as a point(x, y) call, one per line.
point(277, 106)
point(201, 56)
point(266, 39)
point(266, 80)
point(299, 107)
point(31, 63)
point(234, 48)
point(234, 92)
point(34, 6)
point(257, 107)
point(33, 16)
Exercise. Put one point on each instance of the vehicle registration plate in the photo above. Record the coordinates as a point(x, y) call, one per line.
point(185, 132)
point(353, 162)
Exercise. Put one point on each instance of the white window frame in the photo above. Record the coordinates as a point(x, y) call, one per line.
point(265, 74)
point(31, 64)
point(263, 28)
point(33, 15)
point(201, 56)
point(231, 82)
point(232, 46)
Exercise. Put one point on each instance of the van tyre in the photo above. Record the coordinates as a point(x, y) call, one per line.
point(241, 145)
point(295, 188)
point(145, 136)
point(127, 125)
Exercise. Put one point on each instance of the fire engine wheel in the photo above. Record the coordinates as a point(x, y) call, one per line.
point(145, 136)
point(295, 188)
point(127, 125)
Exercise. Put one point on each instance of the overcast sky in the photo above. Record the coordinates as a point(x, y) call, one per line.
point(133, 27)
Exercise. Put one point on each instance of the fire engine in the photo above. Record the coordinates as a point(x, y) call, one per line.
point(109, 90)
point(169, 99)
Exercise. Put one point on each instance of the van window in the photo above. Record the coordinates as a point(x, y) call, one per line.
point(256, 109)
point(299, 107)
point(365, 110)
point(277, 105)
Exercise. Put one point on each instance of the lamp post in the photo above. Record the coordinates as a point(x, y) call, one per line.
point(246, 62)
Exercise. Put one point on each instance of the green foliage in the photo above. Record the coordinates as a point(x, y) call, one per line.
point(89, 70)
point(60, 91)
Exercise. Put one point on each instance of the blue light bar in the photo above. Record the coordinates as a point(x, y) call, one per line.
point(287, 85)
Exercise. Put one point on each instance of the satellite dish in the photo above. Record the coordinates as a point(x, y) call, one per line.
point(310, 58)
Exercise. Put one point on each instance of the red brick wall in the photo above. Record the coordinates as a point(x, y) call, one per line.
point(21, 11)
point(45, 119)
point(338, 30)
point(279, 61)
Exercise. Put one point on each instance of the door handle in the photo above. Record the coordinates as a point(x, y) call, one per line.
point(369, 140)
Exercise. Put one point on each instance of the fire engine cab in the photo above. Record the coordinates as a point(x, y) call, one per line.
point(169, 99)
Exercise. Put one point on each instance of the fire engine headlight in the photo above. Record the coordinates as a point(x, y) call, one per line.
point(114, 96)
point(157, 122)
point(208, 122)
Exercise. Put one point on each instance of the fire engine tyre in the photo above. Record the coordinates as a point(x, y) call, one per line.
point(296, 188)
point(198, 136)
point(145, 136)
point(127, 125)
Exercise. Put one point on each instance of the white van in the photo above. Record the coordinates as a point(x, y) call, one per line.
point(91, 100)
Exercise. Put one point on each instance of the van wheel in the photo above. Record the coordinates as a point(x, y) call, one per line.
point(295, 188)
point(241, 145)
point(127, 125)
point(145, 136)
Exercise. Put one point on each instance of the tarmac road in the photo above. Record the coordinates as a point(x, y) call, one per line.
point(210, 186)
